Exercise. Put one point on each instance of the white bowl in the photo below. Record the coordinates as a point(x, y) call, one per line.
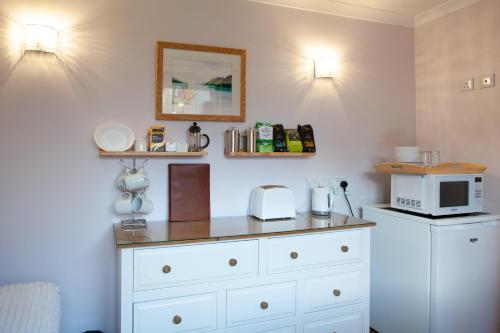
point(114, 137)
point(407, 154)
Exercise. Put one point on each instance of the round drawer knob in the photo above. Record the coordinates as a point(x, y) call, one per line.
point(233, 262)
point(336, 292)
point(177, 320)
point(344, 248)
point(294, 255)
point(166, 269)
point(264, 305)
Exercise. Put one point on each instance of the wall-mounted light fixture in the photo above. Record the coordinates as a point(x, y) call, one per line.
point(40, 38)
point(325, 68)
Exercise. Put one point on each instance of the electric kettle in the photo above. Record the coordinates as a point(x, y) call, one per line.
point(322, 200)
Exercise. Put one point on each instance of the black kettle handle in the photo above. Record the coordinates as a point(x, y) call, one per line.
point(208, 141)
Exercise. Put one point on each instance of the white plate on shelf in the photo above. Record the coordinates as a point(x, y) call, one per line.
point(114, 137)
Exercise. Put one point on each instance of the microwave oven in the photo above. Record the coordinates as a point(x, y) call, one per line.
point(437, 194)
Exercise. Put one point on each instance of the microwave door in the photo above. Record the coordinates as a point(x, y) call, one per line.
point(453, 195)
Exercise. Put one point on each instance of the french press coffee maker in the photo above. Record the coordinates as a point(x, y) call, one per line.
point(194, 138)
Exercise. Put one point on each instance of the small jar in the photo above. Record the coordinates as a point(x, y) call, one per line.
point(140, 145)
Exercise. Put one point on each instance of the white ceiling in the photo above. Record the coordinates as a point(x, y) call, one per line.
point(408, 7)
point(408, 13)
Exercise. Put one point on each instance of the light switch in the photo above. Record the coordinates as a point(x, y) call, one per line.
point(488, 81)
point(467, 85)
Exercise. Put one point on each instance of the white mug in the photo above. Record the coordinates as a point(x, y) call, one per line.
point(120, 182)
point(123, 204)
point(142, 205)
point(136, 182)
point(132, 182)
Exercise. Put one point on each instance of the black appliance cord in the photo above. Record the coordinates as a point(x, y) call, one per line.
point(348, 203)
point(343, 185)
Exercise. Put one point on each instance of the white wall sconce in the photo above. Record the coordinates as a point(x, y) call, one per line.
point(40, 38)
point(325, 68)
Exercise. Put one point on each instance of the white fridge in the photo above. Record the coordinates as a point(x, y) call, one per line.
point(437, 275)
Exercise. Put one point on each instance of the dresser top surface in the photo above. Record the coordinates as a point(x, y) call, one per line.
point(230, 228)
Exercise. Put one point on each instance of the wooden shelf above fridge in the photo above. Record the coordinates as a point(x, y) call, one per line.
point(270, 154)
point(419, 169)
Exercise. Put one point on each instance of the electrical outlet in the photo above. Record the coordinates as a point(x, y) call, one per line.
point(487, 81)
point(332, 182)
point(467, 85)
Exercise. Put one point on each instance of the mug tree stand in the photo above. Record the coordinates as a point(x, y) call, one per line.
point(133, 223)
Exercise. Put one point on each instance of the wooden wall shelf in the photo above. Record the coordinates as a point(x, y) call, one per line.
point(273, 154)
point(148, 154)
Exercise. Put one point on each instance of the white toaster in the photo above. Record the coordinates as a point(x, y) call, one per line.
point(270, 202)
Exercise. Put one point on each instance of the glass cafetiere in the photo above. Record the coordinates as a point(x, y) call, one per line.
point(194, 138)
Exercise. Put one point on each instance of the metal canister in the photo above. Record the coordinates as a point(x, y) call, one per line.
point(251, 140)
point(244, 141)
point(232, 140)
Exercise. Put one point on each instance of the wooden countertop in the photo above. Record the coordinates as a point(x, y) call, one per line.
point(230, 228)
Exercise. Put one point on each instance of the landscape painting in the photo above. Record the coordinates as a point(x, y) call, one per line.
point(200, 83)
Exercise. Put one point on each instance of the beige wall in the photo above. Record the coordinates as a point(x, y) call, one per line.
point(56, 194)
point(464, 126)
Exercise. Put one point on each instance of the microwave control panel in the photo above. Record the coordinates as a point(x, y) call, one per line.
point(478, 190)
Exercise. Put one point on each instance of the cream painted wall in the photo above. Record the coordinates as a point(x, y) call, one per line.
point(56, 194)
point(463, 126)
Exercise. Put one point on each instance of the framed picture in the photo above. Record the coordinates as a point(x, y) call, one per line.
point(196, 82)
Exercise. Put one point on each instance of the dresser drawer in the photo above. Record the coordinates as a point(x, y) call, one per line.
point(255, 304)
point(193, 314)
point(170, 266)
point(346, 324)
point(298, 252)
point(331, 291)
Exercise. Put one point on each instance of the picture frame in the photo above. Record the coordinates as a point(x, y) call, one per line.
point(200, 83)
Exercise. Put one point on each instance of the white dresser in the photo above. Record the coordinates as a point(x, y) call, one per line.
point(231, 275)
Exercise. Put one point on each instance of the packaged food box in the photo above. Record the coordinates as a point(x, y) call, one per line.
point(264, 137)
point(307, 135)
point(279, 140)
point(157, 135)
point(293, 141)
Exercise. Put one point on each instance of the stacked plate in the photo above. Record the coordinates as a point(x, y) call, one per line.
point(407, 154)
